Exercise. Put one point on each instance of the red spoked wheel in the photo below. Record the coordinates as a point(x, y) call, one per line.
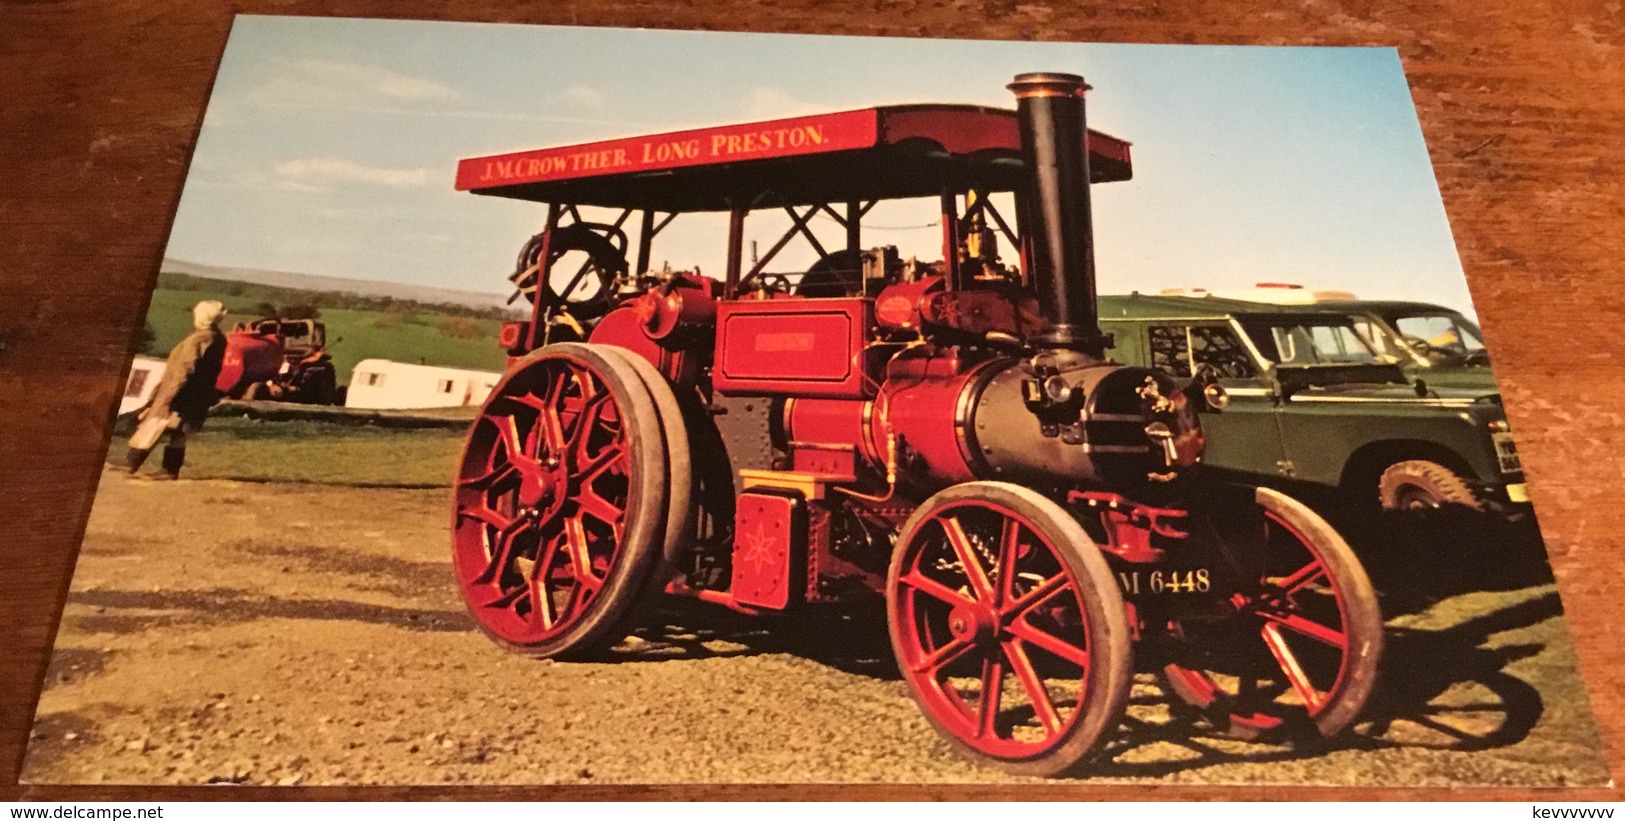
point(1301, 653)
point(1008, 627)
point(561, 502)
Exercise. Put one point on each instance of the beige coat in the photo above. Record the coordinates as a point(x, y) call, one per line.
point(187, 389)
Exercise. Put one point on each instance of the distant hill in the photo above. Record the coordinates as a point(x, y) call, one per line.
point(427, 294)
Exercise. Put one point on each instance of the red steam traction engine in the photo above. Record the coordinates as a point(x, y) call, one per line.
point(946, 435)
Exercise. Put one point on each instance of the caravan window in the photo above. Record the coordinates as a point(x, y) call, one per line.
point(372, 380)
point(445, 386)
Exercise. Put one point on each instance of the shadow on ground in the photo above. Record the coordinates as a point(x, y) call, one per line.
point(123, 612)
point(1440, 689)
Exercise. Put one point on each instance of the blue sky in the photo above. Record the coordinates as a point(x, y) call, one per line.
point(330, 145)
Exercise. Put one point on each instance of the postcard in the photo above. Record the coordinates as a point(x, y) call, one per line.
point(552, 405)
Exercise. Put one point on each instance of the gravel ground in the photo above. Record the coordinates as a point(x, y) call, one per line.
point(226, 632)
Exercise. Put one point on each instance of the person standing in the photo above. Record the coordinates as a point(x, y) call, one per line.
point(184, 396)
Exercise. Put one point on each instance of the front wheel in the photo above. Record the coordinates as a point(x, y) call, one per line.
point(1301, 650)
point(1008, 627)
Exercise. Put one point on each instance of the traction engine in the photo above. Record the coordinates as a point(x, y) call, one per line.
point(947, 437)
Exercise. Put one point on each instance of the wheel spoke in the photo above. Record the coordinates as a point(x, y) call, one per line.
point(1022, 666)
point(611, 456)
point(507, 599)
point(1042, 592)
point(1053, 644)
point(933, 588)
point(1312, 698)
point(511, 439)
point(1303, 577)
point(486, 516)
point(1298, 623)
point(541, 599)
point(488, 479)
point(967, 557)
point(943, 656)
point(580, 558)
point(574, 446)
point(1009, 542)
point(601, 509)
point(502, 555)
point(992, 694)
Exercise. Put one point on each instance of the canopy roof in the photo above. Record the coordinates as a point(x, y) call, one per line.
point(889, 152)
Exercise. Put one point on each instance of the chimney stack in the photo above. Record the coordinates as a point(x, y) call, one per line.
point(1055, 209)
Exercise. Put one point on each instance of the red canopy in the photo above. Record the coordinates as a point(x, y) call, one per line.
point(889, 152)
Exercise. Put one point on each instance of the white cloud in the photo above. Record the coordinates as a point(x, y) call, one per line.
point(326, 173)
point(334, 83)
point(587, 97)
point(772, 103)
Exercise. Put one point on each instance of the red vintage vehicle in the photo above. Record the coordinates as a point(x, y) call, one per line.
point(947, 436)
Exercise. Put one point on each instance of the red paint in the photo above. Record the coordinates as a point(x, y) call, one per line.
point(967, 129)
point(1129, 525)
point(919, 403)
point(898, 306)
point(702, 146)
point(975, 610)
point(512, 336)
point(249, 358)
point(768, 530)
point(838, 463)
point(684, 311)
point(805, 347)
point(960, 129)
point(827, 421)
point(624, 328)
point(518, 463)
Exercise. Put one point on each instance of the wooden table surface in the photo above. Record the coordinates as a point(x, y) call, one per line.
point(1523, 108)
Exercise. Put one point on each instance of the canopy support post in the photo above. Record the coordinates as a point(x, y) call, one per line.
point(544, 265)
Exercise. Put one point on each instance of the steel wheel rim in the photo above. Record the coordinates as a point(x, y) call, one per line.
point(995, 635)
point(1272, 616)
point(542, 501)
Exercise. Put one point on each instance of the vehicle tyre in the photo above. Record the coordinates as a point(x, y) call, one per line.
point(317, 385)
point(680, 510)
point(561, 501)
point(1009, 627)
point(1420, 485)
point(1300, 655)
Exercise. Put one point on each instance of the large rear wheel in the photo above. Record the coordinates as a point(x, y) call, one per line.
point(561, 503)
point(1008, 626)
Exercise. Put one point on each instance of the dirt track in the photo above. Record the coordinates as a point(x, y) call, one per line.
point(283, 634)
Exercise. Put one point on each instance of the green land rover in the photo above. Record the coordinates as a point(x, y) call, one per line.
point(1312, 402)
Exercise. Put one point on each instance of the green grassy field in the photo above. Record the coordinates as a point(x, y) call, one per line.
point(316, 452)
point(353, 335)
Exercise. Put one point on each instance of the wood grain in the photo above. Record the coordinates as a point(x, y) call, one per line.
point(1521, 106)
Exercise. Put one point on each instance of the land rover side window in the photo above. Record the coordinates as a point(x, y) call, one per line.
point(1219, 346)
point(1174, 346)
point(1311, 343)
point(1381, 340)
point(1170, 349)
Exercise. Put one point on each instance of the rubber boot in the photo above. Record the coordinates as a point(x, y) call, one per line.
point(173, 459)
point(134, 457)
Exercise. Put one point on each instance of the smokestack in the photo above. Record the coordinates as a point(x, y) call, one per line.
point(1056, 217)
